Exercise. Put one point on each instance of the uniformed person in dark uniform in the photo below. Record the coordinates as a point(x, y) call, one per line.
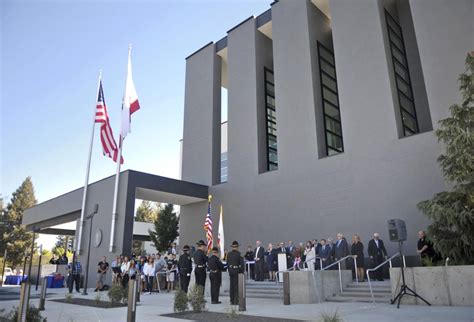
point(200, 260)
point(235, 265)
point(215, 274)
point(185, 266)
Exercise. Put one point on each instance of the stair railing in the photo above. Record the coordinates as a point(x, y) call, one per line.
point(280, 293)
point(339, 268)
point(388, 260)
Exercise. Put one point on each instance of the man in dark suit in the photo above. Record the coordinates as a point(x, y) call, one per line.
point(259, 261)
point(325, 253)
point(235, 266)
point(377, 253)
point(341, 249)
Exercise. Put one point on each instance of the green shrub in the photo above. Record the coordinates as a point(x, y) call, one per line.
point(330, 317)
point(180, 301)
point(233, 313)
point(117, 294)
point(32, 315)
point(196, 298)
point(68, 297)
point(97, 299)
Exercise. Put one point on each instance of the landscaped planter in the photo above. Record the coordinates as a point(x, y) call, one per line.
point(439, 285)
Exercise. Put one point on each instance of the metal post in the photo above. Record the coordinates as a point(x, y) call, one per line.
point(4, 263)
point(139, 280)
point(132, 301)
point(242, 291)
point(356, 273)
point(340, 275)
point(24, 267)
point(39, 267)
point(24, 299)
point(286, 288)
point(42, 300)
point(84, 291)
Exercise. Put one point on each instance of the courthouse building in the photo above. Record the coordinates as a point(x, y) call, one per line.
point(332, 107)
point(331, 110)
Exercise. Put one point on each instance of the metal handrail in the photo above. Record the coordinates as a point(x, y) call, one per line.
point(276, 279)
point(388, 260)
point(339, 268)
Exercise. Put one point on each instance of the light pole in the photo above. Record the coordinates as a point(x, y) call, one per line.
point(91, 216)
point(39, 266)
point(4, 263)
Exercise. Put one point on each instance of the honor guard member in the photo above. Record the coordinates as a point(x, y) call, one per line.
point(185, 266)
point(235, 265)
point(215, 275)
point(200, 260)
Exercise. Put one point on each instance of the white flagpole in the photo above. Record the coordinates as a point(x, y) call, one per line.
point(114, 207)
point(86, 184)
point(117, 173)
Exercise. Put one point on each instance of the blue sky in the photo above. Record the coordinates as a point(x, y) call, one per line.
point(51, 53)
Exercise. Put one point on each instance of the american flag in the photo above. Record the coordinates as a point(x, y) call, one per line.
point(109, 147)
point(208, 226)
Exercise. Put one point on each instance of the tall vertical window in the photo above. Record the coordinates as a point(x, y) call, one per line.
point(224, 167)
point(272, 155)
point(330, 99)
point(402, 77)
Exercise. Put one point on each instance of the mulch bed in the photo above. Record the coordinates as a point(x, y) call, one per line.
point(214, 316)
point(93, 303)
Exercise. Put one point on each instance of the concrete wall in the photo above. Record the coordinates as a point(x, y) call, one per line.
point(379, 176)
point(304, 291)
point(438, 285)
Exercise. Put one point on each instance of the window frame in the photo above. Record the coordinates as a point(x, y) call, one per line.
point(329, 149)
point(271, 166)
point(389, 21)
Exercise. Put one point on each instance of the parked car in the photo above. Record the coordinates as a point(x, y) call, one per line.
point(8, 272)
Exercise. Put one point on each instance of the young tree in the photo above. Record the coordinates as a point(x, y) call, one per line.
point(166, 228)
point(452, 212)
point(60, 246)
point(147, 211)
point(15, 238)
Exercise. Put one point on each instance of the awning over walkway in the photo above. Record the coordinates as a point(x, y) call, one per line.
point(140, 185)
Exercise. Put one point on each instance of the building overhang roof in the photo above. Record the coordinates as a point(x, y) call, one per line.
point(67, 207)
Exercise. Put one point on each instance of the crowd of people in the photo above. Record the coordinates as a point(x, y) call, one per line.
point(161, 272)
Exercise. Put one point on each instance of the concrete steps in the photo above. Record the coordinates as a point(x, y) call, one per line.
point(267, 290)
point(354, 292)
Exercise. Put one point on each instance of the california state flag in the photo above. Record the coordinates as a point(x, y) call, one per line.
point(130, 100)
point(220, 236)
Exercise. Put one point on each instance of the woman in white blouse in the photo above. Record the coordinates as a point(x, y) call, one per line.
point(310, 255)
point(149, 272)
point(125, 268)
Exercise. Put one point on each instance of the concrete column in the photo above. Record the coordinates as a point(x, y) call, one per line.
point(365, 95)
point(242, 102)
point(202, 116)
point(295, 74)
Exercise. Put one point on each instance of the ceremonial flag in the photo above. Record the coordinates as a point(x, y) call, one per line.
point(109, 146)
point(130, 100)
point(129, 106)
point(220, 234)
point(208, 226)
